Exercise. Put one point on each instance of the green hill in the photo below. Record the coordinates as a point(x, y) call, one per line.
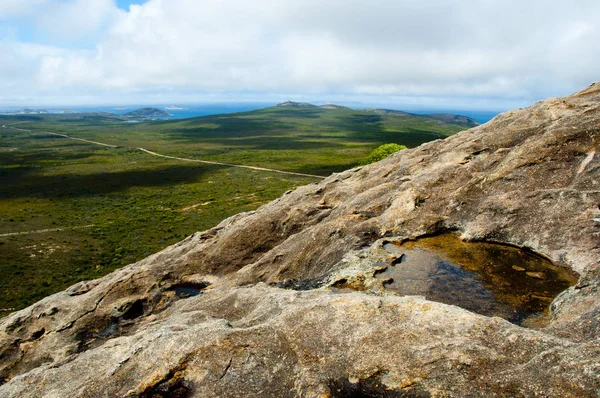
point(301, 137)
point(73, 210)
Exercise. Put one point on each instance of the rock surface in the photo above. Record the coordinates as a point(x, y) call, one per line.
point(216, 314)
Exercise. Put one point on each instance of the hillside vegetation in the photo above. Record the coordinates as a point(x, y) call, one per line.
point(72, 210)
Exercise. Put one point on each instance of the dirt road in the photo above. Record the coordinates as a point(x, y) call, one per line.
point(230, 165)
point(41, 231)
point(174, 157)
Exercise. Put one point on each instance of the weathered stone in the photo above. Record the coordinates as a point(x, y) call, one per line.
point(529, 178)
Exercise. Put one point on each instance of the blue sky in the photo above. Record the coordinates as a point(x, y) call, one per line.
point(124, 4)
point(452, 54)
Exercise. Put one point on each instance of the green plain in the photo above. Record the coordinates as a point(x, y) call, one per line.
point(108, 207)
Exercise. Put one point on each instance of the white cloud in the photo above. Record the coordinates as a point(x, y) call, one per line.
point(18, 8)
point(74, 19)
point(389, 48)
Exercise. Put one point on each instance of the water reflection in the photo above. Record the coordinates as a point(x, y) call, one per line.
point(490, 279)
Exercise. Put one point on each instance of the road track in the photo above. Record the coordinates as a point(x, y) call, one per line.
point(230, 165)
point(41, 231)
point(241, 166)
point(81, 139)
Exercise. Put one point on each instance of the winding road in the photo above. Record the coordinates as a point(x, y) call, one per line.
point(230, 165)
point(9, 126)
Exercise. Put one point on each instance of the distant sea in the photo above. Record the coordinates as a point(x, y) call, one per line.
point(189, 111)
point(480, 116)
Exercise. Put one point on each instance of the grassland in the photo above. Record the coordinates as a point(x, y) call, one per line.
point(106, 207)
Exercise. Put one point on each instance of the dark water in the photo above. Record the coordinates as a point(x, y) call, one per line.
point(189, 289)
point(485, 278)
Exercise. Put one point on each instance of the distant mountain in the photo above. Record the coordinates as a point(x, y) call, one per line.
point(441, 117)
point(456, 119)
point(148, 112)
point(331, 106)
point(292, 104)
point(389, 112)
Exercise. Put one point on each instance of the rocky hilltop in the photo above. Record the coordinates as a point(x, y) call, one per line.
point(442, 117)
point(148, 112)
point(457, 119)
point(294, 104)
point(254, 306)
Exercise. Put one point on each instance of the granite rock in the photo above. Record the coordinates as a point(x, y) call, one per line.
point(249, 308)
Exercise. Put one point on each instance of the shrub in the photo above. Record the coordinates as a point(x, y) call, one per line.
point(382, 152)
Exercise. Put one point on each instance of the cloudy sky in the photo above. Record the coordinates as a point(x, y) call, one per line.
point(452, 54)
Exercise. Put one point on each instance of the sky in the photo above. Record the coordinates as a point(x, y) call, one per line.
point(436, 54)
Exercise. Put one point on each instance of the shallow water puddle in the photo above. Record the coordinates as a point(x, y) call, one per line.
point(189, 289)
point(490, 279)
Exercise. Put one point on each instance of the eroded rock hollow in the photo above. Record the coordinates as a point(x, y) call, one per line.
point(286, 301)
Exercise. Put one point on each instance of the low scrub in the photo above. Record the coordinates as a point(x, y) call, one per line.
point(382, 152)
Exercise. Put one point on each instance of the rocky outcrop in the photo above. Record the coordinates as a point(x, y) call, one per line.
point(333, 106)
point(248, 308)
point(456, 119)
point(148, 112)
